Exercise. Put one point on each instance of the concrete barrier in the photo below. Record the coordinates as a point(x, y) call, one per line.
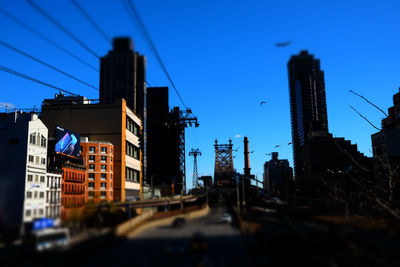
point(128, 226)
point(165, 221)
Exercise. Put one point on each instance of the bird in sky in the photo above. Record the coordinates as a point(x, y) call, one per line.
point(262, 103)
point(252, 151)
point(289, 143)
point(283, 44)
point(268, 154)
point(277, 146)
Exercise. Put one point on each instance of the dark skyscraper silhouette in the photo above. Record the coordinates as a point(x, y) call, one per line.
point(122, 75)
point(307, 103)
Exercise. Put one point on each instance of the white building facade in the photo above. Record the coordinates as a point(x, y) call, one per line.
point(23, 160)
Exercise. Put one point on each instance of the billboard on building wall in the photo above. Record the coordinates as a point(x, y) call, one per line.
point(67, 142)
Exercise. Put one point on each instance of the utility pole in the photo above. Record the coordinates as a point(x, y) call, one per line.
point(195, 152)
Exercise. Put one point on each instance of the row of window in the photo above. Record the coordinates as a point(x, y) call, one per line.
point(103, 167)
point(53, 212)
point(34, 194)
point(102, 185)
point(132, 175)
point(37, 139)
point(73, 189)
point(30, 178)
point(103, 176)
point(132, 150)
point(53, 182)
point(103, 149)
point(37, 161)
point(132, 126)
point(103, 194)
point(53, 197)
point(35, 212)
point(92, 158)
point(73, 176)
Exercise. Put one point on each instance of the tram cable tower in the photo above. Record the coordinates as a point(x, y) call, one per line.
point(195, 152)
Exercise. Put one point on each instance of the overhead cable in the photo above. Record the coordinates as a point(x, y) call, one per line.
point(89, 18)
point(62, 28)
point(43, 37)
point(16, 73)
point(45, 64)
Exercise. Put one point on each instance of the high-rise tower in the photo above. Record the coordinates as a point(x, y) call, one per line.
point(122, 75)
point(307, 103)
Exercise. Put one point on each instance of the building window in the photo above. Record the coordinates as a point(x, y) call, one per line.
point(28, 213)
point(91, 185)
point(132, 175)
point(103, 185)
point(103, 176)
point(37, 159)
point(132, 150)
point(91, 194)
point(36, 178)
point(132, 126)
point(111, 176)
point(103, 158)
point(40, 211)
point(103, 168)
point(30, 158)
point(92, 149)
point(35, 194)
point(41, 195)
point(47, 196)
point(43, 141)
point(32, 138)
point(92, 158)
point(43, 161)
point(30, 177)
point(103, 150)
point(42, 179)
point(103, 194)
point(91, 167)
point(91, 176)
point(28, 194)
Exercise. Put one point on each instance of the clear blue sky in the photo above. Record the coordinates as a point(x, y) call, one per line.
point(221, 56)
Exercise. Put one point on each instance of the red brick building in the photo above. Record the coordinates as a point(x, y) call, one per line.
point(73, 183)
point(98, 157)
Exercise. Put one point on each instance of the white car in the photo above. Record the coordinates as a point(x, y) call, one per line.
point(226, 218)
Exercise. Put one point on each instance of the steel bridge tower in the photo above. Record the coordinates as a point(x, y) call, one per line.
point(195, 152)
point(223, 171)
point(179, 120)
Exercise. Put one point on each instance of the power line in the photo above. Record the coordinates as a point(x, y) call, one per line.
point(152, 46)
point(62, 28)
point(16, 73)
point(41, 36)
point(45, 64)
point(94, 24)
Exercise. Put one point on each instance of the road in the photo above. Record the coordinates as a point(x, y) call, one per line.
point(172, 246)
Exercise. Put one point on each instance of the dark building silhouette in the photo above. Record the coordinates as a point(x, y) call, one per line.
point(122, 75)
point(386, 151)
point(278, 176)
point(320, 160)
point(157, 136)
point(307, 103)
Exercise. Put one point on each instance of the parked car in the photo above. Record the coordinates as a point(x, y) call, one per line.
point(226, 218)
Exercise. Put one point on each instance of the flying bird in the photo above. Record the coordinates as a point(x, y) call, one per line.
point(289, 143)
point(252, 151)
point(282, 44)
point(262, 102)
point(268, 154)
point(277, 146)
